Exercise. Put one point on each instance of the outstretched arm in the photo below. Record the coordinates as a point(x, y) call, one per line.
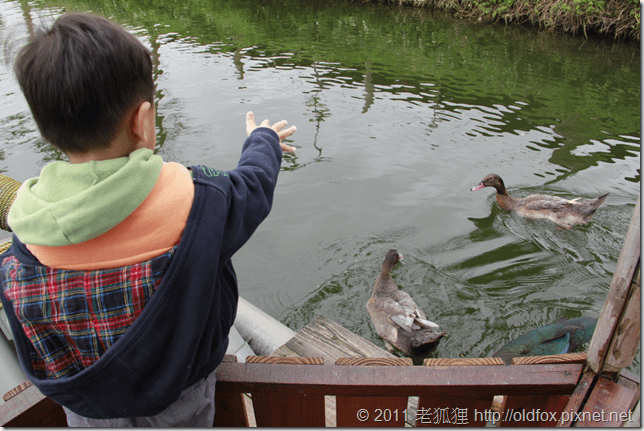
point(253, 181)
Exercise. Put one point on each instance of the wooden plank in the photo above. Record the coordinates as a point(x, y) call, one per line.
point(230, 407)
point(609, 405)
point(329, 404)
point(15, 391)
point(375, 361)
point(537, 410)
point(577, 399)
point(477, 381)
point(533, 410)
point(462, 361)
point(453, 411)
point(626, 339)
point(566, 358)
point(629, 380)
point(249, 409)
point(379, 411)
point(31, 408)
point(288, 409)
point(618, 293)
point(325, 338)
point(456, 410)
point(637, 417)
point(498, 403)
point(284, 360)
point(230, 410)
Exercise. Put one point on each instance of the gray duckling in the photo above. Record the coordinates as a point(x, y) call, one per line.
point(397, 318)
point(563, 212)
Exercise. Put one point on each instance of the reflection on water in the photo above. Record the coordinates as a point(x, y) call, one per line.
point(399, 112)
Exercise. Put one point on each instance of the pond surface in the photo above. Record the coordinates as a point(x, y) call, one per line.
point(399, 113)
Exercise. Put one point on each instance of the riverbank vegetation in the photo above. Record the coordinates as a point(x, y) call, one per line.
point(615, 18)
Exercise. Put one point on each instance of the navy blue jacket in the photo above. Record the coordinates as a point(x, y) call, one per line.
point(182, 334)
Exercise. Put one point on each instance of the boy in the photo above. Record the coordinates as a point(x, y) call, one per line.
point(119, 285)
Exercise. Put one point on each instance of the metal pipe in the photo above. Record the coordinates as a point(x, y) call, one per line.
point(262, 332)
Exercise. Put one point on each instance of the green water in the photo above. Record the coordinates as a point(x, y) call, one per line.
point(399, 113)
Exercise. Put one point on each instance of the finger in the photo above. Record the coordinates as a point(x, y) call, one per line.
point(287, 148)
point(279, 125)
point(264, 123)
point(286, 133)
point(250, 122)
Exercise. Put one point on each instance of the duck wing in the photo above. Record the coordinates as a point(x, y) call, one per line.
point(546, 203)
point(388, 306)
point(411, 317)
point(392, 309)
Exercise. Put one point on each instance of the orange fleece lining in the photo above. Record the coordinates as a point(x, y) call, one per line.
point(152, 229)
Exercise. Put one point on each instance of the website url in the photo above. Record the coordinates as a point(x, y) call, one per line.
point(537, 415)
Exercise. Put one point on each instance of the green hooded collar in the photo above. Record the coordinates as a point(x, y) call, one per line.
point(72, 203)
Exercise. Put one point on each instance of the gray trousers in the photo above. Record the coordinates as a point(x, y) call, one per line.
point(194, 408)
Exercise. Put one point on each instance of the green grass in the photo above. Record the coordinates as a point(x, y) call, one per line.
point(615, 18)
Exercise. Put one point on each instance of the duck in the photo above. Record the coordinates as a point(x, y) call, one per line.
point(563, 336)
point(397, 318)
point(563, 212)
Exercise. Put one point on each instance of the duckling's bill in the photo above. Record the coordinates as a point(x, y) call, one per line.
point(477, 187)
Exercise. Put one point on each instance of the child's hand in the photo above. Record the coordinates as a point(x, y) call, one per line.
point(277, 127)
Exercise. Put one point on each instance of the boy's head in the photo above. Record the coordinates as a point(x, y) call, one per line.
point(82, 78)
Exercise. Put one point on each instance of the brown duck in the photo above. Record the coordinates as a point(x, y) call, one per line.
point(396, 316)
point(563, 212)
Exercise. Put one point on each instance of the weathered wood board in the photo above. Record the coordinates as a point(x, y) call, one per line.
point(325, 338)
point(617, 335)
point(609, 405)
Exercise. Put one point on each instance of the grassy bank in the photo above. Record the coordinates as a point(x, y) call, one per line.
point(615, 18)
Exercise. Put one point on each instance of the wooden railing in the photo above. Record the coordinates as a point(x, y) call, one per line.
point(376, 392)
point(304, 392)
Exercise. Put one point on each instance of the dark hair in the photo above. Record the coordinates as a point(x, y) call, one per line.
point(80, 79)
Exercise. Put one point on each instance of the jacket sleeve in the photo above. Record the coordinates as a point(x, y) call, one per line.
point(248, 189)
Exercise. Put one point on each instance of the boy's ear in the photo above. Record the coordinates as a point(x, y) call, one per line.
point(142, 128)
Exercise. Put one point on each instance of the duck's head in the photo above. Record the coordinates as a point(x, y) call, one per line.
point(491, 180)
point(392, 258)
